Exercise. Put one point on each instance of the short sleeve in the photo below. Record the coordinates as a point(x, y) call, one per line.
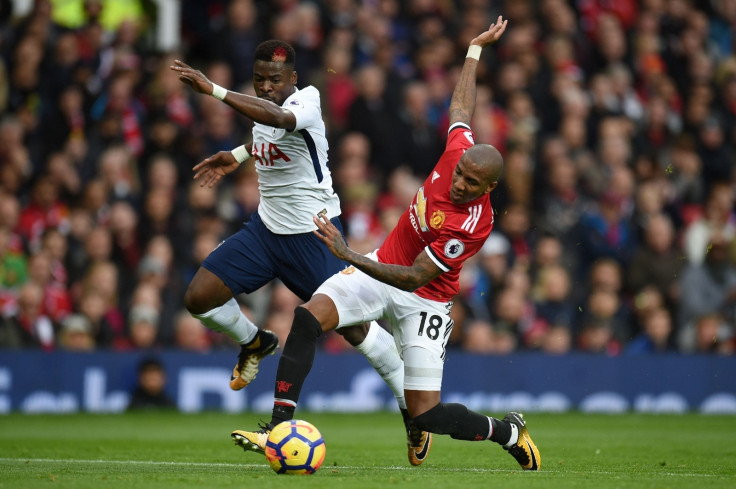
point(453, 247)
point(305, 106)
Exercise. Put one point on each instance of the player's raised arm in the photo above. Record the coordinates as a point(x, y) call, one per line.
point(261, 110)
point(462, 105)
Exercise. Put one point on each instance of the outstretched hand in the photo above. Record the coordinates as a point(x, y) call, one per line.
point(330, 236)
point(493, 33)
point(212, 169)
point(193, 78)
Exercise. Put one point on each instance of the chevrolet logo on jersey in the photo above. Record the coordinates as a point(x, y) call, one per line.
point(420, 208)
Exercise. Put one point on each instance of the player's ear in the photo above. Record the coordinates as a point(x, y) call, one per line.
point(490, 187)
point(293, 77)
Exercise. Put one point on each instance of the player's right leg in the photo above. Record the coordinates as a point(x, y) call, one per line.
point(422, 332)
point(523, 450)
point(211, 301)
point(461, 423)
point(239, 264)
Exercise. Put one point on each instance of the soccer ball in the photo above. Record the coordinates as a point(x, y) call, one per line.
point(295, 447)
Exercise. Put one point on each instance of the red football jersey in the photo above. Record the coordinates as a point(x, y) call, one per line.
point(450, 233)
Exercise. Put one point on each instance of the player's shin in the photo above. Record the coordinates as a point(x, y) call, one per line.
point(295, 364)
point(455, 420)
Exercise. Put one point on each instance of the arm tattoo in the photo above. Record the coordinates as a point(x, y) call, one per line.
point(422, 271)
point(462, 105)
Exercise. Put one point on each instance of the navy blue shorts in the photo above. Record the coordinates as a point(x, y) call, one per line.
point(252, 257)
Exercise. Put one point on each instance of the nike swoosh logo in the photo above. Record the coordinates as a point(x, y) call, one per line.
point(423, 453)
point(531, 451)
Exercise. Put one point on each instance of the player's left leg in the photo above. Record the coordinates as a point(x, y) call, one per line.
point(423, 329)
point(242, 263)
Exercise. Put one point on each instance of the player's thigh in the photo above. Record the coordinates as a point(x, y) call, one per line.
point(421, 330)
point(304, 262)
point(357, 297)
point(243, 261)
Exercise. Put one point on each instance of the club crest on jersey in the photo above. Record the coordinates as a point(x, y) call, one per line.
point(437, 220)
point(296, 103)
point(348, 271)
point(454, 248)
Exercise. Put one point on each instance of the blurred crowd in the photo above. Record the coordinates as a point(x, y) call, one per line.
point(615, 227)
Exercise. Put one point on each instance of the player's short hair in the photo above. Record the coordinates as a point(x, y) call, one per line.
point(275, 51)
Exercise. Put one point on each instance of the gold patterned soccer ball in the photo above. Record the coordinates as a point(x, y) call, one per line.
point(295, 447)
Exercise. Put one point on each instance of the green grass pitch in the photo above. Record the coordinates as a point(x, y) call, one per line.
point(173, 450)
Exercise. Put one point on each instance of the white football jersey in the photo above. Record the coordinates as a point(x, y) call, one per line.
point(293, 177)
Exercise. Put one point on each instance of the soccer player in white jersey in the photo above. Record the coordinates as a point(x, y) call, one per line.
point(411, 279)
point(289, 148)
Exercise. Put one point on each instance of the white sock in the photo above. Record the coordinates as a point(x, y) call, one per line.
point(229, 319)
point(380, 350)
point(514, 435)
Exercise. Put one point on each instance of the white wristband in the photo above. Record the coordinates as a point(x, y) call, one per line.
point(240, 153)
point(218, 92)
point(474, 52)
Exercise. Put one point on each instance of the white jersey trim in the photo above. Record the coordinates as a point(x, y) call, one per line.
point(436, 260)
point(472, 220)
point(457, 124)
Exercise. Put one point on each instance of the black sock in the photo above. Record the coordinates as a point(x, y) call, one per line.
point(501, 431)
point(455, 420)
point(405, 414)
point(281, 414)
point(295, 363)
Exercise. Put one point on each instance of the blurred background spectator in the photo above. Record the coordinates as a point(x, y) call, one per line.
point(150, 390)
point(615, 225)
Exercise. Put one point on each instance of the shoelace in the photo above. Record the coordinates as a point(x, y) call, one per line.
point(264, 427)
point(415, 435)
point(242, 358)
point(519, 453)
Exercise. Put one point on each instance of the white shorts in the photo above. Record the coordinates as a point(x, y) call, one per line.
point(421, 327)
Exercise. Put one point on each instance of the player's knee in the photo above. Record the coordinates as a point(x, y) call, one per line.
point(305, 324)
point(192, 302)
point(198, 302)
point(354, 334)
point(433, 420)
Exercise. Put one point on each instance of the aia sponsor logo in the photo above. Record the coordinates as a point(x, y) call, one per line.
point(268, 154)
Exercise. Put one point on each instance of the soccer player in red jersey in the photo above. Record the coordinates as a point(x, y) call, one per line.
point(411, 279)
